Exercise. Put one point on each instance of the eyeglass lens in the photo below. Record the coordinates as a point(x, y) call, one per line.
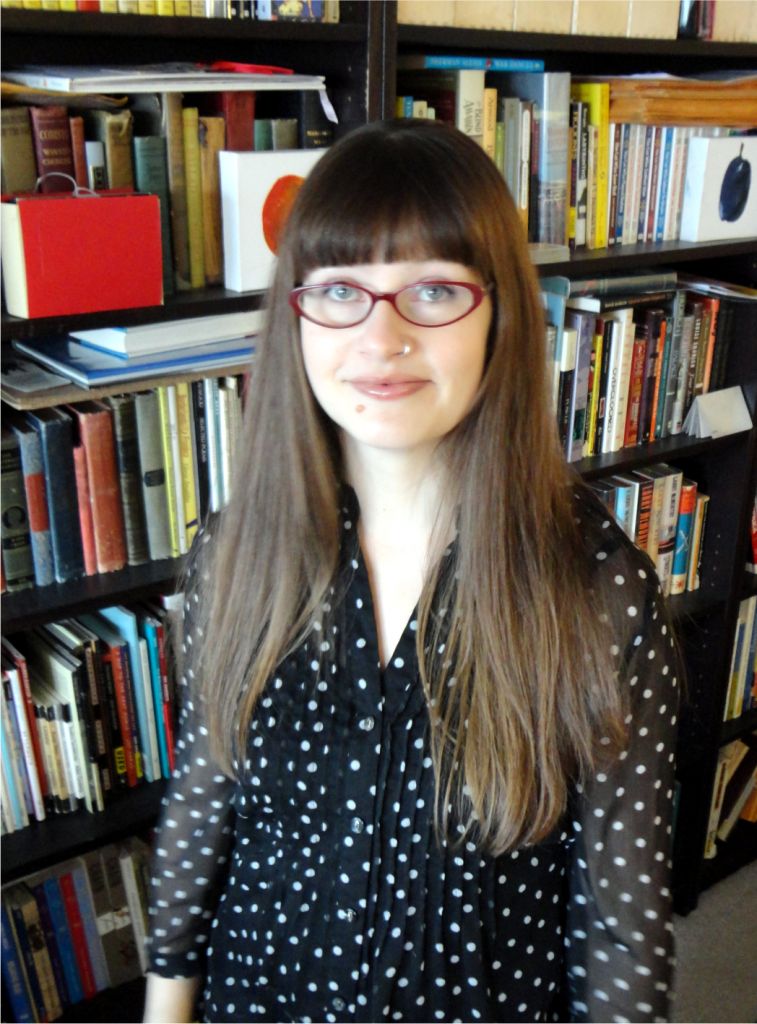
point(429, 303)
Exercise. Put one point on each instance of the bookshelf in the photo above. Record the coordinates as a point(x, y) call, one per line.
point(726, 467)
point(359, 59)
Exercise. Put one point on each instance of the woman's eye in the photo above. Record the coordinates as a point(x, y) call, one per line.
point(435, 292)
point(342, 293)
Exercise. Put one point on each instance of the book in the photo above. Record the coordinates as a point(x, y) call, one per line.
point(458, 61)
point(25, 915)
point(18, 164)
point(596, 96)
point(147, 339)
point(15, 980)
point(87, 367)
point(132, 855)
point(550, 93)
point(13, 769)
point(54, 156)
point(86, 522)
point(126, 624)
point(192, 173)
point(95, 424)
point(237, 108)
point(169, 437)
point(737, 792)
point(457, 95)
point(25, 727)
point(211, 136)
point(18, 559)
point(172, 128)
point(117, 677)
point(129, 476)
point(76, 930)
point(151, 175)
point(123, 958)
point(152, 473)
point(187, 460)
point(97, 174)
point(684, 528)
point(115, 130)
point(55, 430)
point(696, 544)
point(78, 149)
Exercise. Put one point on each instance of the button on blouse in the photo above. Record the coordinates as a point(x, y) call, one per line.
point(314, 886)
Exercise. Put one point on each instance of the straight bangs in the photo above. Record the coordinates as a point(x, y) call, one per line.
point(380, 208)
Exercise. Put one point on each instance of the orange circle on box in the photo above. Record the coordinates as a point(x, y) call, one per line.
point(277, 206)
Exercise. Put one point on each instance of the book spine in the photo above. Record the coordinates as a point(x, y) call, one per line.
point(644, 515)
point(24, 727)
point(111, 720)
point(173, 128)
point(211, 142)
point(185, 424)
point(41, 956)
point(59, 978)
point(127, 460)
point(78, 149)
point(18, 561)
point(86, 522)
point(695, 555)
point(104, 492)
point(638, 361)
point(169, 438)
point(18, 163)
point(126, 716)
point(151, 175)
point(78, 936)
point(198, 409)
point(51, 136)
point(153, 474)
point(30, 450)
point(60, 480)
point(192, 171)
point(15, 981)
point(683, 537)
point(127, 966)
point(89, 923)
point(57, 910)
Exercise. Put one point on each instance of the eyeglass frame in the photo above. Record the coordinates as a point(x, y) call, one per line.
point(479, 294)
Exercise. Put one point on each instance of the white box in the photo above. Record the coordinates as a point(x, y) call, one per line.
point(257, 191)
point(720, 193)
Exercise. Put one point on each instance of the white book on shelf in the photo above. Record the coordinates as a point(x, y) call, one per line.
point(24, 731)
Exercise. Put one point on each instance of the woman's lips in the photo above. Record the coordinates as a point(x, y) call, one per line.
point(388, 389)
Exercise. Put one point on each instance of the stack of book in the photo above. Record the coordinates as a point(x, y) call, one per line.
point(664, 513)
point(589, 162)
point(742, 679)
point(729, 20)
point(263, 10)
point(734, 794)
point(75, 929)
point(88, 710)
point(163, 138)
point(629, 354)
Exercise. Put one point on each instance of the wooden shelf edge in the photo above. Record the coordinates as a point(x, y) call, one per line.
point(493, 39)
point(23, 609)
point(67, 835)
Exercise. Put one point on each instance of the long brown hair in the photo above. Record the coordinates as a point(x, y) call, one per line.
point(525, 688)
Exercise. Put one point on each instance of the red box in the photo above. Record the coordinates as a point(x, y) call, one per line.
point(65, 254)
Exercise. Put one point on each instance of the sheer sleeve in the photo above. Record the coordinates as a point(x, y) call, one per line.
point(619, 941)
point(192, 840)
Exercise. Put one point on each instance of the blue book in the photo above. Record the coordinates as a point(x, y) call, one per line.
point(55, 429)
point(15, 981)
point(467, 61)
point(89, 366)
point(33, 468)
point(54, 899)
point(148, 628)
point(667, 152)
point(15, 798)
point(14, 900)
point(89, 920)
point(48, 928)
point(125, 622)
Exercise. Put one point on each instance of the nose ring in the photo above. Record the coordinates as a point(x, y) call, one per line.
point(405, 350)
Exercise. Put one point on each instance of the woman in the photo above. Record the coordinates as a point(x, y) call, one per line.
point(426, 765)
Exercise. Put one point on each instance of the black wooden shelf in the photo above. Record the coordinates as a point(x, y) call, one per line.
point(198, 302)
point(429, 37)
point(121, 1005)
point(735, 728)
point(679, 446)
point(627, 258)
point(23, 609)
point(61, 836)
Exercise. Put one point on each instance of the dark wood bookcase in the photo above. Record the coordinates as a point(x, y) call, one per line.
point(359, 59)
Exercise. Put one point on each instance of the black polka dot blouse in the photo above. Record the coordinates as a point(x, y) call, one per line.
point(313, 887)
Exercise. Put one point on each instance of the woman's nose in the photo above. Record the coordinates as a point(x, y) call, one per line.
point(384, 332)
